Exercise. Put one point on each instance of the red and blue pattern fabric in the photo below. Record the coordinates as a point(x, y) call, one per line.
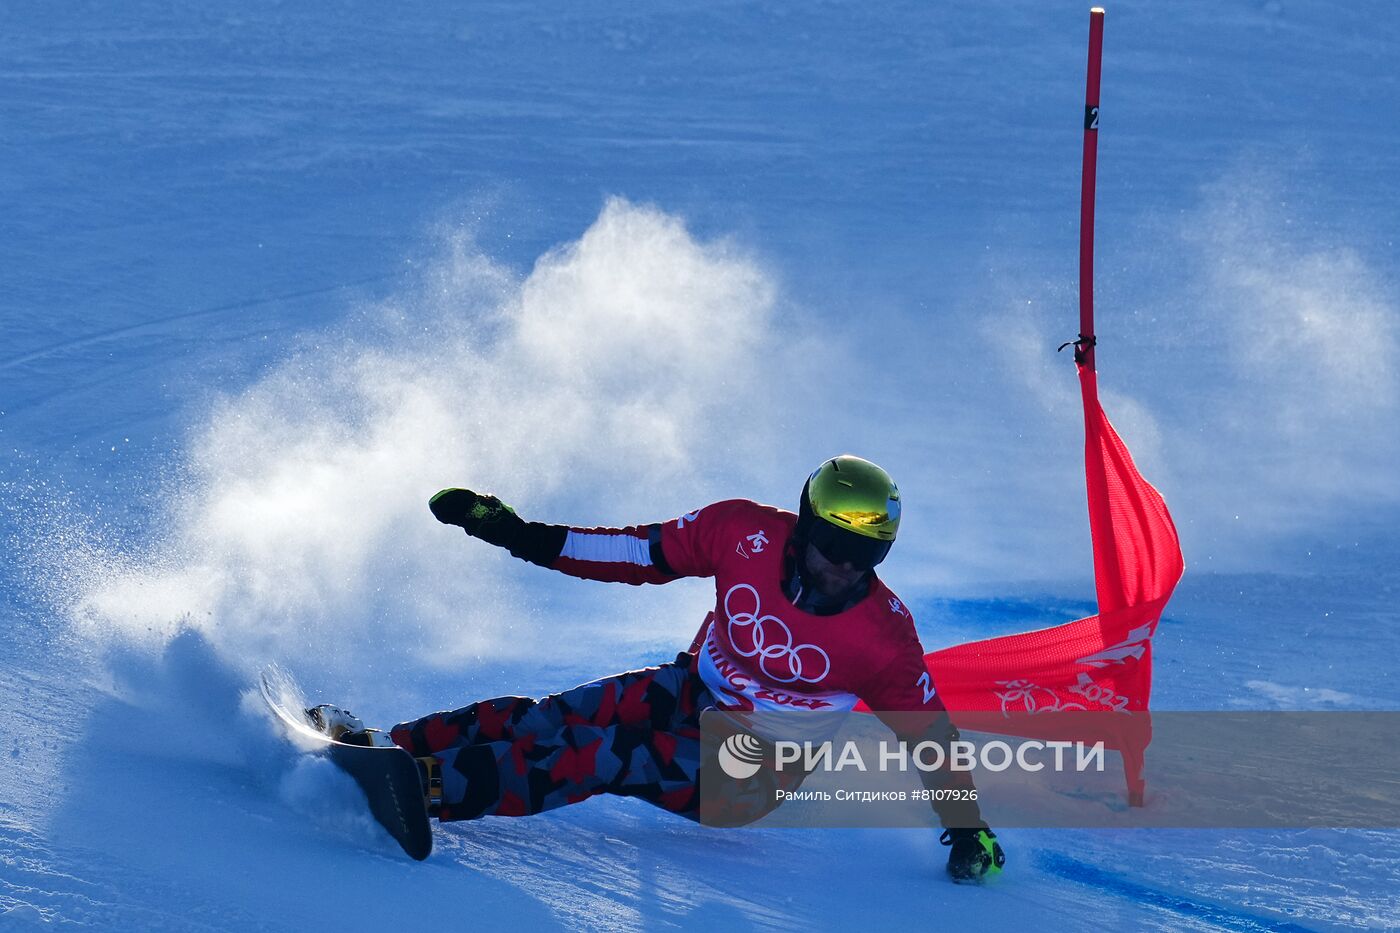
point(635, 734)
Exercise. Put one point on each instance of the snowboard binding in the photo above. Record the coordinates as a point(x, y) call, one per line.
point(345, 727)
point(397, 787)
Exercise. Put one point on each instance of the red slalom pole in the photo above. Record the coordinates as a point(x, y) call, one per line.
point(1085, 348)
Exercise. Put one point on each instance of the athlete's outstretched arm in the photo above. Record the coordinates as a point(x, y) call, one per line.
point(619, 555)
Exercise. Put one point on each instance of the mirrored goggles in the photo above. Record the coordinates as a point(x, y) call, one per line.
point(846, 547)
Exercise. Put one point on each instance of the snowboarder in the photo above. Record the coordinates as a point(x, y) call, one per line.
point(801, 621)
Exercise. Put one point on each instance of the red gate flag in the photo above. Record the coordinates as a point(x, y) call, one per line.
point(1103, 664)
point(1100, 663)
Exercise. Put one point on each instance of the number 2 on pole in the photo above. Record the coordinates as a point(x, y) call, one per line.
point(1086, 199)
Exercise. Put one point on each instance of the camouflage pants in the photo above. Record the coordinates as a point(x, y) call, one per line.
point(635, 734)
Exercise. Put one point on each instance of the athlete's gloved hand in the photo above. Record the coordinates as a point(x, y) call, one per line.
point(484, 517)
point(974, 854)
point(494, 522)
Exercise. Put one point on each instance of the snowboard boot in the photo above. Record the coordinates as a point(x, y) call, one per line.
point(344, 726)
point(334, 721)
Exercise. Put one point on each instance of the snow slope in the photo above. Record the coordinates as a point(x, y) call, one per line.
point(275, 274)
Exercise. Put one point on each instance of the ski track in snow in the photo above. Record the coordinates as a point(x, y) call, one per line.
point(155, 323)
point(84, 889)
point(1177, 908)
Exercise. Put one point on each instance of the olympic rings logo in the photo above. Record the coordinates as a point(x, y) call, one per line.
point(769, 645)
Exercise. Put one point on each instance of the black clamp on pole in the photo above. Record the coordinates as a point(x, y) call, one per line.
point(1080, 345)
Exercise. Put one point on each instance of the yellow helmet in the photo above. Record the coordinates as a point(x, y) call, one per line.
point(850, 511)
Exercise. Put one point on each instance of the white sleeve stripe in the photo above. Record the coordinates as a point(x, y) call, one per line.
point(609, 549)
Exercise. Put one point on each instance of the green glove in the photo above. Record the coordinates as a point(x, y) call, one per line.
point(974, 854)
point(484, 517)
point(494, 522)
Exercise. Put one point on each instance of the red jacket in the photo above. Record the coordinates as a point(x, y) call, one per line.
point(756, 650)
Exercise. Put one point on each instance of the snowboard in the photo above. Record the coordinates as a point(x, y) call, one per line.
point(389, 777)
